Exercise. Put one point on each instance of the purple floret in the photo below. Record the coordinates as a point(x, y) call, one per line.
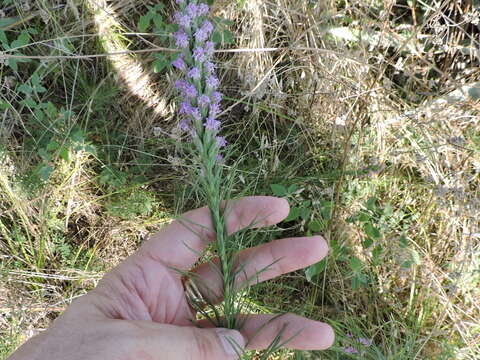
point(212, 82)
point(179, 1)
point(209, 48)
point(179, 63)
point(180, 85)
point(190, 91)
point(181, 39)
point(350, 350)
point(203, 100)
point(365, 341)
point(194, 73)
point(202, 9)
point(221, 141)
point(207, 26)
point(217, 96)
point(199, 54)
point(182, 19)
point(196, 114)
point(192, 10)
point(214, 109)
point(212, 123)
point(210, 67)
point(186, 108)
point(184, 125)
point(201, 35)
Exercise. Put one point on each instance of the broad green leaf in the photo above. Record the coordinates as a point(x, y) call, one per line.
point(372, 231)
point(305, 213)
point(367, 243)
point(144, 22)
point(355, 264)
point(44, 172)
point(314, 226)
point(403, 241)
point(278, 190)
point(292, 188)
point(313, 270)
point(294, 214)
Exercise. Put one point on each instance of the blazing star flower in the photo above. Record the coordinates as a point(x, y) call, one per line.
point(203, 101)
point(214, 109)
point(365, 341)
point(184, 125)
point(186, 108)
point(194, 73)
point(199, 54)
point(199, 80)
point(212, 82)
point(212, 124)
point(202, 9)
point(209, 47)
point(181, 39)
point(350, 350)
point(221, 141)
point(192, 10)
point(179, 63)
point(179, 1)
point(207, 27)
point(201, 35)
point(217, 96)
point(209, 67)
point(184, 20)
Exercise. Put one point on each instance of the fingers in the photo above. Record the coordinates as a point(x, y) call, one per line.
point(299, 333)
point(264, 262)
point(180, 243)
point(162, 341)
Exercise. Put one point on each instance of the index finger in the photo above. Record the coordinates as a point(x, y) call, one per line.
point(179, 244)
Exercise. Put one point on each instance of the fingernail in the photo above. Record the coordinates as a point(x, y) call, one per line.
point(232, 341)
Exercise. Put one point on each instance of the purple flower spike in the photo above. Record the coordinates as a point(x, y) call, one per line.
point(212, 82)
point(203, 101)
point(194, 73)
point(202, 9)
point(217, 97)
point(219, 158)
point(209, 48)
point(212, 124)
point(221, 141)
point(179, 1)
point(199, 54)
point(179, 63)
point(181, 39)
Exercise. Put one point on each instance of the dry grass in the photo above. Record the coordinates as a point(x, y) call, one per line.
point(347, 100)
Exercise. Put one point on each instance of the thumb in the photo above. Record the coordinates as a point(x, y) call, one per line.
point(184, 342)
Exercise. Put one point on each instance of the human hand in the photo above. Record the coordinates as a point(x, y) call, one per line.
point(139, 310)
